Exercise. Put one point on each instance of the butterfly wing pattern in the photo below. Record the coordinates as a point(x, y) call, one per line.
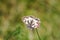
point(31, 22)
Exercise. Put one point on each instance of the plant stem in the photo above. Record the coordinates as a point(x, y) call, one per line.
point(38, 34)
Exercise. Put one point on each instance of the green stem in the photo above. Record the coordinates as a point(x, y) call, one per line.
point(38, 34)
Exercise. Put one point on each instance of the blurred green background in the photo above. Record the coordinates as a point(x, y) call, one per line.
point(12, 27)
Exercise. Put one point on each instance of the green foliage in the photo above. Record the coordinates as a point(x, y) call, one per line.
point(11, 34)
point(12, 27)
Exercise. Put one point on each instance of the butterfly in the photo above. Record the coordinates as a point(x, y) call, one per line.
point(31, 22)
